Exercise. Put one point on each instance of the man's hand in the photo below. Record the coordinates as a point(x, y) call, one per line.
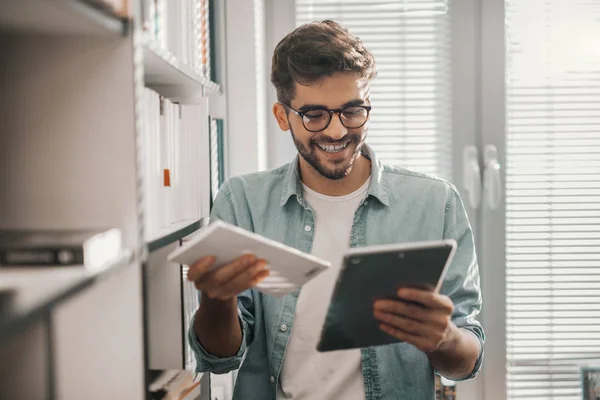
point(216, 323)
point(227, 282)
point(421, 318)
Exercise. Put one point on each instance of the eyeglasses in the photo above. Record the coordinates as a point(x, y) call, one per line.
point(352, 117)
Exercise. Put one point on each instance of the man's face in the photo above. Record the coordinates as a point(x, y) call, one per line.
point(332, 151)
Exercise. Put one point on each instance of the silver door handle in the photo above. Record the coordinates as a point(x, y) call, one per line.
point(492, 180)
point(472, 176)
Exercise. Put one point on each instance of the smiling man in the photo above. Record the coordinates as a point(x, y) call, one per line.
point(336, 194)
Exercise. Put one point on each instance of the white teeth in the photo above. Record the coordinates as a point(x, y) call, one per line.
point(333, 148)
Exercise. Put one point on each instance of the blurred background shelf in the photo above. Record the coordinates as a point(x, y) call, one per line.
point(82, 17)
point(37, 289)
point(169, 77)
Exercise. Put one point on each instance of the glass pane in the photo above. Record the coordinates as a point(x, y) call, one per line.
point(552, 196)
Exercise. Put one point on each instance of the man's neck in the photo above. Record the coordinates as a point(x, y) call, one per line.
point(361, 171)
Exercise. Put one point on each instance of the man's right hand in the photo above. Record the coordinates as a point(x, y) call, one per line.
point(216, 324)
point(226, 282)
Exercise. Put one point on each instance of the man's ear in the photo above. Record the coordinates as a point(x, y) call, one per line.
point(280, 114)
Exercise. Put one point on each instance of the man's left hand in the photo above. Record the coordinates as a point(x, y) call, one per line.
point(427, 325)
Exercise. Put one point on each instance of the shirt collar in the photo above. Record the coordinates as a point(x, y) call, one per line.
point(377, 188)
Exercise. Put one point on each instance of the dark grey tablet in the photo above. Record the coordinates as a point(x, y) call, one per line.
point(376, 272)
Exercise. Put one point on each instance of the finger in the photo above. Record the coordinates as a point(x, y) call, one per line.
point(429, 299)
point(246, 280)
point(200, 268)
point(260, 277)
point(434, 317)
point(407, 325)
point(418, 341)
point(402, 308)
point(222, 275)
point(256, 279)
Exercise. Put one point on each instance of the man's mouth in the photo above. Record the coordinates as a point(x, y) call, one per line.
point(333, 148)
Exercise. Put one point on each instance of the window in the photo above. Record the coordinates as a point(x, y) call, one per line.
point(552, 195)
point(411, 96)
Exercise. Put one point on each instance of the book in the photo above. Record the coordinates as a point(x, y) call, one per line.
point(174, 384)
point(118, 7)
point(7, 294)
point(172, 162)
point(590, 380)
point(289, 267)
point(91, 247)
point(181, 29)
point(444, 389)
point(438, 387)
point(190, 303)
point(115, 7)
point(217, 162)
point(153, 173)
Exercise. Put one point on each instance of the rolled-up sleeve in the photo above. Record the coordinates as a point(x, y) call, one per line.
point(462, 280)
point(205, 362)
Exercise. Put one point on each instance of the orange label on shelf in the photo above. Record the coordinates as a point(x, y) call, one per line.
point(167, 178)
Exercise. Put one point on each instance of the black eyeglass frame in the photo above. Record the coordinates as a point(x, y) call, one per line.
point(337, 111)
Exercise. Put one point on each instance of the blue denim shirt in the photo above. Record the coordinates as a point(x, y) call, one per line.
point(401, 206)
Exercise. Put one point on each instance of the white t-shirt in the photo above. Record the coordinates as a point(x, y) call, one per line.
point(306, 373)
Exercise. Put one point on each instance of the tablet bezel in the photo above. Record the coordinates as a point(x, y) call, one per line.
point(343, 335)
point(391, 248)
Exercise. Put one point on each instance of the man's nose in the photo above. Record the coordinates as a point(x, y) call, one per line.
point(336, 130)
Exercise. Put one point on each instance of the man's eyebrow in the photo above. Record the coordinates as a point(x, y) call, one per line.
point(352, 103)
point(310, 107)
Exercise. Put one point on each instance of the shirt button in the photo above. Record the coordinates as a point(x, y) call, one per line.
point(283, 327)
point(307, 228)
point(272, 379)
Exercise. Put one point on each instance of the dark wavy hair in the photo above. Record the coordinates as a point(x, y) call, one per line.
point(314, 51)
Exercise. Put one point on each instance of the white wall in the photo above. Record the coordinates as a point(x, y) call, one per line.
point(281, 20)
point(246, 136)
point(254, 140)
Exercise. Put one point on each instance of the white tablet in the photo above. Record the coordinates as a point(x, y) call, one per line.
point(377, 272)
point(290, 268)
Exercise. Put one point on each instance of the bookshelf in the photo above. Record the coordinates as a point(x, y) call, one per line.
point(178, 82)
point(40, 289)
point(81, 17)
point(107, 124)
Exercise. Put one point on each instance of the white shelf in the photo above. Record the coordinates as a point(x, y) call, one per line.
point(38, 289)
point(59, 17)
point(169, 77)
point(212, 87)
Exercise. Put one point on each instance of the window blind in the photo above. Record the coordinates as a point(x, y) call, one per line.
point(411, 96)
point(552, 196)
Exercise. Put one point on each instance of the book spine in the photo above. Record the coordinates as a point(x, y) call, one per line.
point(204, 34)
point(41, 257)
